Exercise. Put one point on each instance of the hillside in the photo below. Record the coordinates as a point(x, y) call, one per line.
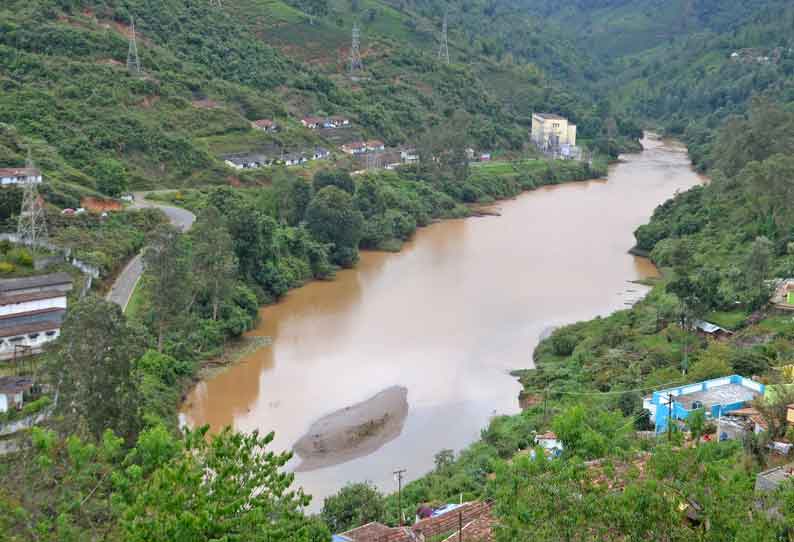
point(207, 72)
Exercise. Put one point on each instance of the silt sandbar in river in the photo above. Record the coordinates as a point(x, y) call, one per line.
point(353, 431)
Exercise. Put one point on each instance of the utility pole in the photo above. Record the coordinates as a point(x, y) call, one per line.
point(356, 65)
point(669, 417)
point(133, 61)
point(443, 50)
point(32, 222)
point(398, 475)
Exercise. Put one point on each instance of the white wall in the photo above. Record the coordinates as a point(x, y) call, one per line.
point(36, 305)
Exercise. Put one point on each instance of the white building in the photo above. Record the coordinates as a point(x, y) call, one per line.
point(549, 130)
point(13, 176)
point(31, 312)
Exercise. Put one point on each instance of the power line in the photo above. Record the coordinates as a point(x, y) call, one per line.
point(562, 392)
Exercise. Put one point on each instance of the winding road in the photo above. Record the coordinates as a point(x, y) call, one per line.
point(121, 291)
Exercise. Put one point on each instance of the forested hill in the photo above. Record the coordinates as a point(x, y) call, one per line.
point(208, 71)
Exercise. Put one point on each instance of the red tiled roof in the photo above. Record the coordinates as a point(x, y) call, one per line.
point(548, 435)
point(312, 120)
point(263, 123)
point(369, 532)
point(374, 143)
point(19, 172)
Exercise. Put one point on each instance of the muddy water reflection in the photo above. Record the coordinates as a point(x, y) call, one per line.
point(447, 318)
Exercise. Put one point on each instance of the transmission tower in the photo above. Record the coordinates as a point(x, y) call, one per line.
point(133, 61)
point(355, 52)
point(443, 50)
point(32, 224)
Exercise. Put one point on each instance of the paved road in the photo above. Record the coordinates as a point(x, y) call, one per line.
point(121, 291)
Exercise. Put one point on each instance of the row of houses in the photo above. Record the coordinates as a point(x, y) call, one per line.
point(328, 123)
point(257, 160)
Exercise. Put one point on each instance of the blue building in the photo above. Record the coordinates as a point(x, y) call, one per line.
point(718, 397)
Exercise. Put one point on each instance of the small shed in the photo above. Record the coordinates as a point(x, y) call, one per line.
point(12, 391)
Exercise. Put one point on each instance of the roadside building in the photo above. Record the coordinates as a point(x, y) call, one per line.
point(266, 125)
point(12, 392)
point(550, 130)
point(31, 312)
point(552, 446)
point(15, 176)
point(717, 397)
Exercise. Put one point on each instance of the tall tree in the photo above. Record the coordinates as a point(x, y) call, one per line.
point(167, 263)
point(93, 368)
point(332, 218)
point(213, 258)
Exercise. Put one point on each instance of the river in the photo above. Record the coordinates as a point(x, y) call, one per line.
point(447, 318)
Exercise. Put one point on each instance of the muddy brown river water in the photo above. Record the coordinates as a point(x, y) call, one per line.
point(446, 318)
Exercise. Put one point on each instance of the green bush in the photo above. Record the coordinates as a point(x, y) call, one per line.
point(21, 256)
point(7, 267)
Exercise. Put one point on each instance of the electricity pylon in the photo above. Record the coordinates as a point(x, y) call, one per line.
point(32, 222)
point(133, 61)
point(443, 50)
point(355, 52)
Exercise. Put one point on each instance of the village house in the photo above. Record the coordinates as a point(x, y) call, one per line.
point(549, 130)
point(409, 155)
point(707, 329)
point(338, 121)
point(312, 122)
point(320, 153)
point(12, 392)
point(31, 312)
point(14, 176)
point(375, 145)
point(294, 159)
point(551, 445)
point(770, 480)
point(266, 125)
point(717, 397)
point(357, 147)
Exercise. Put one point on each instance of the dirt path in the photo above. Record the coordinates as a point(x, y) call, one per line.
point(124, 285)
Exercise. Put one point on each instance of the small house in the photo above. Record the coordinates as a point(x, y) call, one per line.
point(12, 392)
point(294, 159)
point(320, 154)
point(266, 125)
point(408, 156)
point(707, 329)
point(16, 176)
point(312, 122)
point(550, 443)
point(247, 161)
point(485, 157)
point(770, 480)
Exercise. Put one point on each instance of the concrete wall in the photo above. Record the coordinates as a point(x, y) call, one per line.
point(35, 341)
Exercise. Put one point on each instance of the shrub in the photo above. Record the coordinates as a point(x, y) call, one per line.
point(21, 256)
point(7, 267)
